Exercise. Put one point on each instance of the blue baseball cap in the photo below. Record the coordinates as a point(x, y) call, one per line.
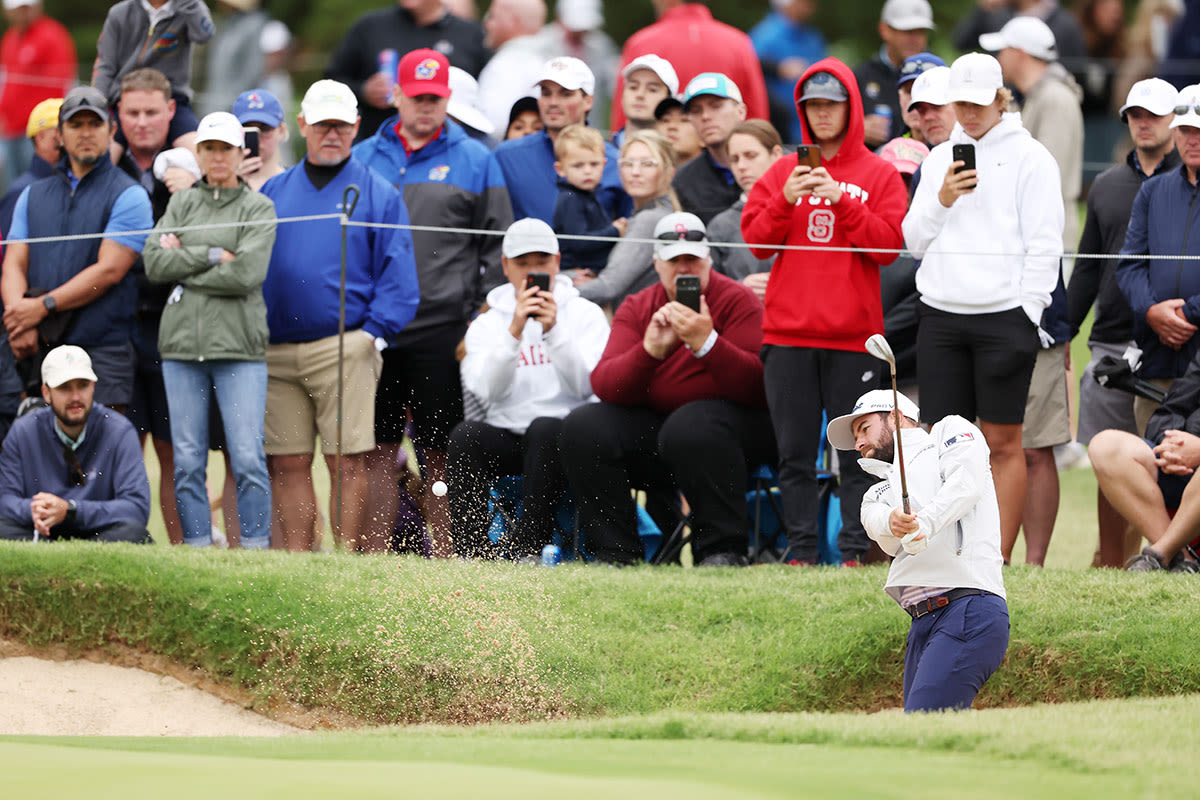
point(915, 65)
point(713, 83)
point(258, 105)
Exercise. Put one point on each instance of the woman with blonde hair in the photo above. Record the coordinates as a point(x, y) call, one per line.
point(647, 167)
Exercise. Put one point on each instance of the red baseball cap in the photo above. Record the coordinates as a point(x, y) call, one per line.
point(424, 71)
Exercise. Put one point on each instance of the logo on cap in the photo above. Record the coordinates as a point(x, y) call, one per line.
point(254, 100)
point(680, 227)
point(426, 70)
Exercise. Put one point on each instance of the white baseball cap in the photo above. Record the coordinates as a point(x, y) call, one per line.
point(659, 66)
point(329, 100)
point(974, 78)
point(680, 234)
point(569, 73)
point(66, 363)
point(1024, 33)
point(1187, 107)
point(908, 15)
point(931, 86)
point(580, 15)
point(529, 235)
point(1153, 94)
point(464, 99)
point(221, 126)
point(841, 429)
point(9, 5)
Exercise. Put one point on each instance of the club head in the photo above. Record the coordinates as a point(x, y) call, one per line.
point(878, 346)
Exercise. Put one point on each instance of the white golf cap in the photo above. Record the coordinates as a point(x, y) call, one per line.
point(908, 15)
point(1187, 107)
point(275, 37)
point(841, 429)
point(1153, 94)
point(569, 73)
point(329, 100)
point(221, 126)
point(464, 99)
point(659, 66)
point(931, 86)
point(579, 15)
point(529, 235)
point(680, 234)
point(9, 5)
point(1024, 33)
point(974, 78)
point(66, 363)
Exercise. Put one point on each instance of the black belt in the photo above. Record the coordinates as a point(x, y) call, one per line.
point(931, 604)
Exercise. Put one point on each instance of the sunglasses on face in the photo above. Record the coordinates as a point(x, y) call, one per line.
point(75, 474)
point(682, 236)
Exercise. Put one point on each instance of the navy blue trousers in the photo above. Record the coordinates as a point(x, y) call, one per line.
point(953, 651)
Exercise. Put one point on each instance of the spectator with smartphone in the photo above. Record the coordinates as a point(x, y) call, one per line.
point(261, 111)
point(682, 409)
point(529, 359)
point(988, 238)
point(814, 354)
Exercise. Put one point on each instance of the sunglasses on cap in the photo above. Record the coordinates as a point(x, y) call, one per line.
point(1184, 109)
point(916, 67)
point(682, 236)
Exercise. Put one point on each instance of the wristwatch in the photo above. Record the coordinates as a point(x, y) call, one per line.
point(48, 302)
point(72, 507)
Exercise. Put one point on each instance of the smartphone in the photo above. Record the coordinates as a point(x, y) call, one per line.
point(251, 134)
point(538, 279)
point(808, 155)
point(687, 291)
point(964, 153)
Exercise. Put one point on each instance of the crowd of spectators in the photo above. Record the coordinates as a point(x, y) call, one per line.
point(606, 274)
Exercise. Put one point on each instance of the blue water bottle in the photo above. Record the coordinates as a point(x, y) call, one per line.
point(551, 555)
point(389, 63)
point(884, 111)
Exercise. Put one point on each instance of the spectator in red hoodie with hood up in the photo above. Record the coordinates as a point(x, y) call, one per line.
point(821, 306)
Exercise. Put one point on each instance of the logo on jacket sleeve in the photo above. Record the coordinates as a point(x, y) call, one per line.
point(439, 173)
point(959, 438)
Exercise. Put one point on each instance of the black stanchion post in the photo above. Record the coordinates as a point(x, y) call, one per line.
point(349, 201)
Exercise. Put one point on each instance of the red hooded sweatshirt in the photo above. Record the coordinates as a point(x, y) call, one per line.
point(828, 300)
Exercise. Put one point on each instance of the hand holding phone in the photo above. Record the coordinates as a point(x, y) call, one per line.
point(966, 154)
point(539, 279)
point(687, 291)
point(251, 133)
point(808, 155)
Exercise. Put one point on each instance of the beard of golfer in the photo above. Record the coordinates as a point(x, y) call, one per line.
point(946, 567)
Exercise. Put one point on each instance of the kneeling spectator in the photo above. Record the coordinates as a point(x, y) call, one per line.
point(73, 470)
point(682, 394)
point(529, 360)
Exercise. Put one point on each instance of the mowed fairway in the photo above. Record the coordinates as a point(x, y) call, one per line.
point(1092, 750)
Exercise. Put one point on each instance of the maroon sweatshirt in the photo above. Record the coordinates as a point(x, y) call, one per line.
point(629, 376)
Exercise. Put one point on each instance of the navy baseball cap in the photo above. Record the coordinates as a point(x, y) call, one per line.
point(915, 65)
point(258, 105)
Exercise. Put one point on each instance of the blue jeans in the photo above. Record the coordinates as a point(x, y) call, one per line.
point(241, 393)
point(953, 651)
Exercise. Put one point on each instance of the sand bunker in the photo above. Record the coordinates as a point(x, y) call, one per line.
point(84, 698)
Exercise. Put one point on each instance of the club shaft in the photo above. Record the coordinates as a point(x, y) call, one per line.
point(899, 441)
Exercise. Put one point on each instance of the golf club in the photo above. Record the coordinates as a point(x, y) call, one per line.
point(878, 346)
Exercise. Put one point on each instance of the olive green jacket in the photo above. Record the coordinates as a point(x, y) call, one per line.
point(214, 312)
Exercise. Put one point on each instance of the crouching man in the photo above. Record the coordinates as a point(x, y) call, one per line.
point(946, 567)
point(73, 470)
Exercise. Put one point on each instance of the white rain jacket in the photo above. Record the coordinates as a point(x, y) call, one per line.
point(540, 375)
point(950, 491)
point(993, 250)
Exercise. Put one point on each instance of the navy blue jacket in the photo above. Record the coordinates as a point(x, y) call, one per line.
point(32, 461)
point(579, 212)
point(528, 167)
point(38, 168)
point(1165, 212)
point(55, 210)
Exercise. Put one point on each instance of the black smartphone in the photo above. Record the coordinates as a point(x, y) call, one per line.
point(538, 279)
point(687, 291)
point(964, 153)
point(251, 134)
point(808, 155)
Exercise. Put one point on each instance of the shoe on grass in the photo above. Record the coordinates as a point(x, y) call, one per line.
point(1145, 561)
point(724, 560)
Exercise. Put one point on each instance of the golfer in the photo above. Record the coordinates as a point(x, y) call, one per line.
point(946, 567)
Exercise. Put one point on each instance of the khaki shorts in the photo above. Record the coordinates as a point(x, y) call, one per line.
point(302, 395)
point(1047, 420)
point(1144, 409)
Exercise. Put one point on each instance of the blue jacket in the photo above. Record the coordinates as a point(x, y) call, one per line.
point(451, 182)
point(301, 289)
point(777, 38)
point(1164, 214)
point(32, 461)
point(38, 168)
point(579, 212)
point(528, 167)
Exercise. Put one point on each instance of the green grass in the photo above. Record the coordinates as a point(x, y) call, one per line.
point(405, 640)
point(1113, 749)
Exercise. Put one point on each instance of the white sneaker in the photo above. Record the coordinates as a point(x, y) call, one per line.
point(218, 537)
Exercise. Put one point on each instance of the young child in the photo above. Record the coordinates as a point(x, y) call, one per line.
point(580, 165)
point(132, 37)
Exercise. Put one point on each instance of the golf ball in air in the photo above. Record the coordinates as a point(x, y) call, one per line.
point(439, 488)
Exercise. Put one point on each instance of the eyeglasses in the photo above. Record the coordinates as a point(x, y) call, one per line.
point(681, 236)
point(644, 163)
point(1181, 110)
point(75, 474)
point(341, 128)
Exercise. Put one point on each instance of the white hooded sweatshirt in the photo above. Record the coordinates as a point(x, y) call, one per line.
point(540, 375)
point(994, 249)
